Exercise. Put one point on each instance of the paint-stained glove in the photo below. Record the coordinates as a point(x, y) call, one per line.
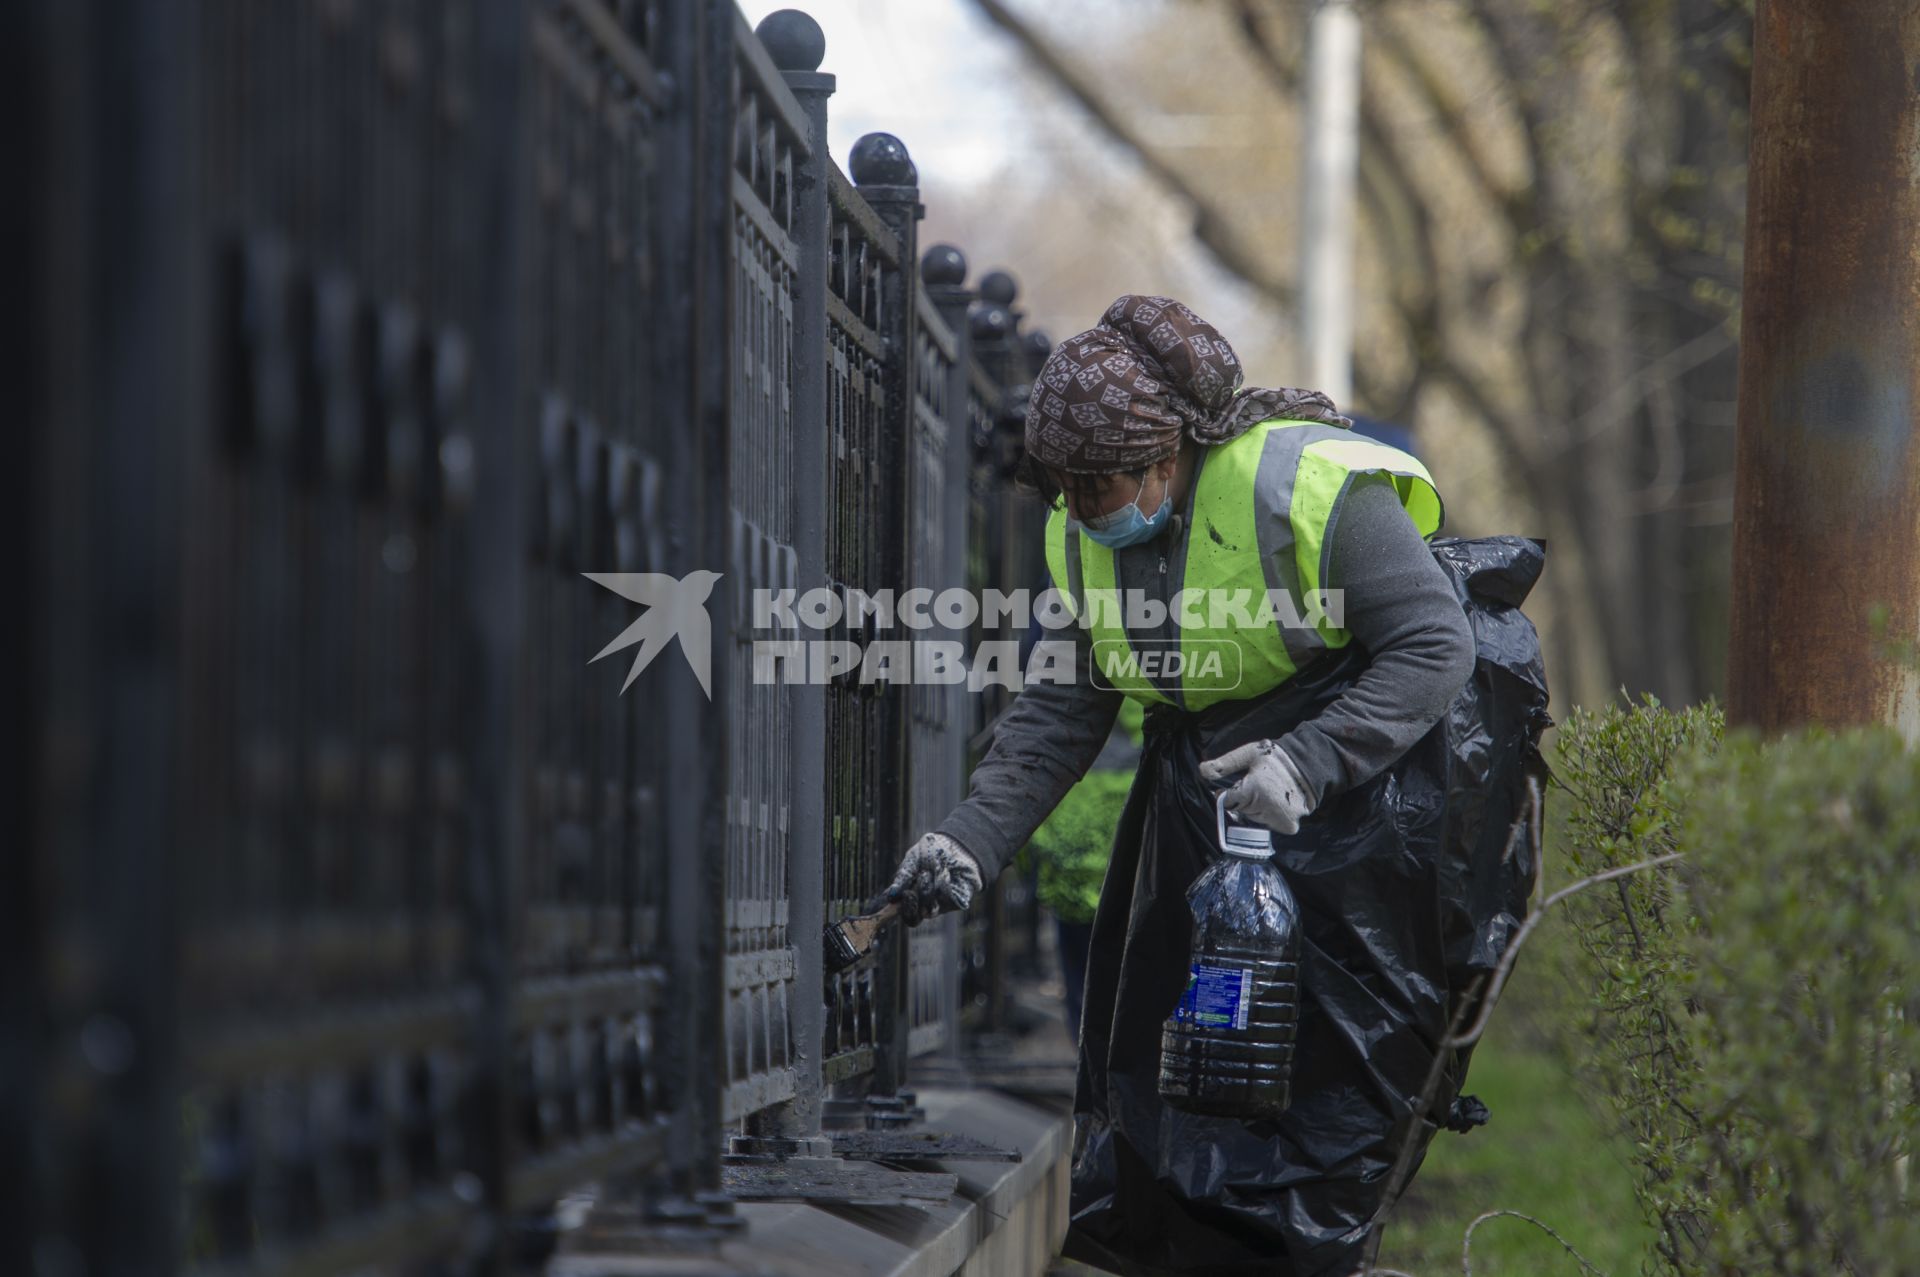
point(1271, 793)
point(936, 874)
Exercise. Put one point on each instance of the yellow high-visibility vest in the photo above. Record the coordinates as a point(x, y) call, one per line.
point(1238, 588)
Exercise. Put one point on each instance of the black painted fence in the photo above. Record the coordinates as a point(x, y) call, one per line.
point(359, 917)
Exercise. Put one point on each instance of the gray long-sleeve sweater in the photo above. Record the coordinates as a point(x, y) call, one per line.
point(1399, 607)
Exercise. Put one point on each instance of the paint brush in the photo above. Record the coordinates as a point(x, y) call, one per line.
point(849, 940)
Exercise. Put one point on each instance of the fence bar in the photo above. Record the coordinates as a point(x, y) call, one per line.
point(139, 69)
point(886, 180)
point(703, 37)
point(943, 272)
point(864, 718)
point(796, 46)
point(499, 592)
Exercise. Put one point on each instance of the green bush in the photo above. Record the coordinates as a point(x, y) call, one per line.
point(1805, 870)
point(1073, 846)
point(1749, 1023)
point(1635, 1049)
point(1071, 849)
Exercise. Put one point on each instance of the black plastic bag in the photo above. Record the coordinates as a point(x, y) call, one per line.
point(1493, 736)
point(1408, 888)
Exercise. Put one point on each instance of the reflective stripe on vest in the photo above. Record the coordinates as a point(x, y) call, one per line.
point(1264, 506)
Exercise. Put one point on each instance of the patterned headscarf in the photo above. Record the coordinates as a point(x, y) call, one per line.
point(1119, 396)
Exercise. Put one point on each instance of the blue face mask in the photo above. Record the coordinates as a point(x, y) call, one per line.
point(1127, 526)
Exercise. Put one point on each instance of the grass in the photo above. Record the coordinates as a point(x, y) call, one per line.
point(1544, 1153)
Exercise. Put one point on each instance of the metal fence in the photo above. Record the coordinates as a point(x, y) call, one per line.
point(361, 916)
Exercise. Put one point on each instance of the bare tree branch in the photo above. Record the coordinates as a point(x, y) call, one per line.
point(1392, 203)
point(1516, 206)
point(1619, 405)
point(1512, 58)
point(1507, 48)
point(1211, 227)
point(1466, 1242)
point(1517, 444)
point(1421, 315)
point(1520, 938)
point(1376, 194)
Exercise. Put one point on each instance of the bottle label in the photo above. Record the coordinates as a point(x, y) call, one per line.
point(1216, 997)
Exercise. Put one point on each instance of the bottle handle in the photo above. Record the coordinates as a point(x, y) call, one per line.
point(1220, 820)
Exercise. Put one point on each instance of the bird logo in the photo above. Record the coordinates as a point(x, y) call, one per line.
point(676, 608)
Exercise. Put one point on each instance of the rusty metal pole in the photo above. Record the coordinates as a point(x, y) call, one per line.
point(1827, 472)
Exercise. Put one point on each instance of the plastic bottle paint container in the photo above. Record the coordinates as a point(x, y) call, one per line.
point(1227, 1050)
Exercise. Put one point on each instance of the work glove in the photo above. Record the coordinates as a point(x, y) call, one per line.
point(1271, 793)
point(936, 874)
